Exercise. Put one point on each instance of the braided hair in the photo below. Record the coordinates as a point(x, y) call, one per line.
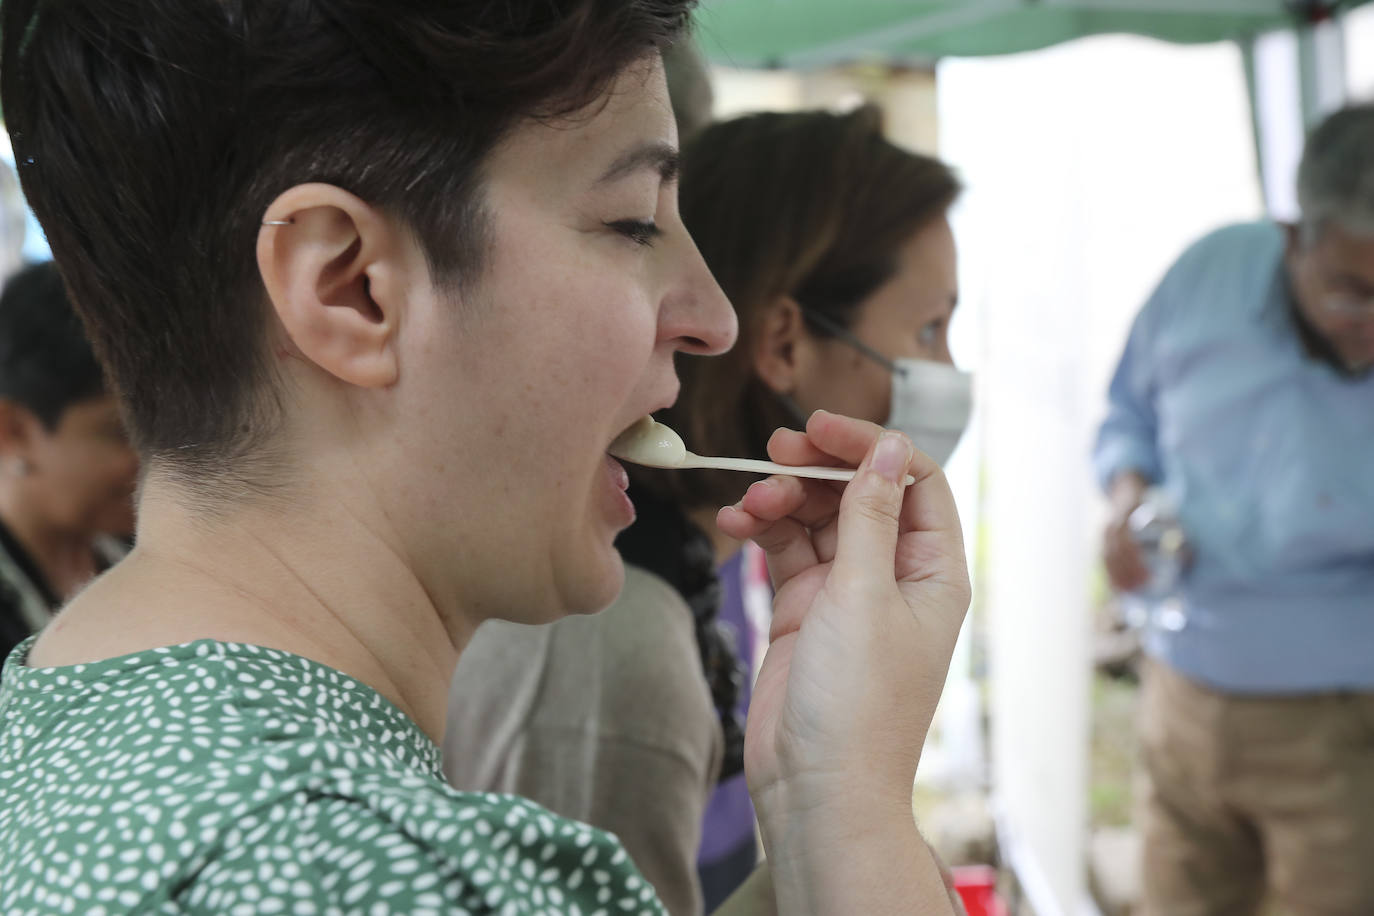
point(668, 544)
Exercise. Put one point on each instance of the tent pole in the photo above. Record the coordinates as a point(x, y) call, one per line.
point(1247, 57)
point(1321, 69)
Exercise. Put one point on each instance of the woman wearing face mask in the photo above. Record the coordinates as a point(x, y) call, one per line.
point(834, 248)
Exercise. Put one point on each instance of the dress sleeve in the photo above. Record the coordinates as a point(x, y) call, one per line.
point(340, 855)
point(1126, 440)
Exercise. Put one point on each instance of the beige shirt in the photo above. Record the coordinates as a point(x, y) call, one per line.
point(604, 718)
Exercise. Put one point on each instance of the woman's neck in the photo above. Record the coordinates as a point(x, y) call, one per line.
point(324, 584)
point(65, 560)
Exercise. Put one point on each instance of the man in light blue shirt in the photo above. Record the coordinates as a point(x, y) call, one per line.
point(1246, 395)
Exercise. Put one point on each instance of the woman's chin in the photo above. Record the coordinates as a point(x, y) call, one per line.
point(597, 587)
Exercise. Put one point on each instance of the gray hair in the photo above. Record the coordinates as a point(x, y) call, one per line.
point(1336, 177)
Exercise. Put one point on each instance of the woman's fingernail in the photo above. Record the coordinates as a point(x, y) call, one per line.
point(892, 456)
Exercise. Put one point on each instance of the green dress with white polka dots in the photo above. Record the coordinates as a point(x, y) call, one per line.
point(219, 778)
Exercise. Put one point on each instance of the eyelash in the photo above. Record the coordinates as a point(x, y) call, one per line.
point(641, 232)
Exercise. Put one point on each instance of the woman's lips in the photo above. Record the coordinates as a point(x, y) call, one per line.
point(619, 475)
point(619, 482)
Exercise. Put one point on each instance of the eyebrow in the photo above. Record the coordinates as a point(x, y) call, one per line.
point(662, 158)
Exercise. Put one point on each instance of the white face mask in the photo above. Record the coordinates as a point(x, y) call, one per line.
point(931, 402)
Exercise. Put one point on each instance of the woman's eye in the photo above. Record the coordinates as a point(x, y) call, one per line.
point(930, 334)
point(641, 232)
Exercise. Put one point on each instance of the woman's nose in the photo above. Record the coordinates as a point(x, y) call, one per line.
point(696, 315)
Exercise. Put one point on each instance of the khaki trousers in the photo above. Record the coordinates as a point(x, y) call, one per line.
point(1256, 797)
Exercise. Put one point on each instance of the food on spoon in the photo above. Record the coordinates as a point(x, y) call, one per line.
point(650, 443)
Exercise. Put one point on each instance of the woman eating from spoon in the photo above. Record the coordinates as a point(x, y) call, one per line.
point(377, 285)
point(631, 719)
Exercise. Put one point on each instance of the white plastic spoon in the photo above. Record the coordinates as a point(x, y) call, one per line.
point(654, 445)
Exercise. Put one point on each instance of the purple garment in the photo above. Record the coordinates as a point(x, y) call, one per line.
point(729, 819)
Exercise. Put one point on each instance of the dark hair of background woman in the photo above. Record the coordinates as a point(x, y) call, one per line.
point(812, 205)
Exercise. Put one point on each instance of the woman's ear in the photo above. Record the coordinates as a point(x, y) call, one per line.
point(19, 431)
point(778, 344)
point(336, 271)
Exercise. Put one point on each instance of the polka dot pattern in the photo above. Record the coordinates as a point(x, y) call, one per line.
point(219, 778)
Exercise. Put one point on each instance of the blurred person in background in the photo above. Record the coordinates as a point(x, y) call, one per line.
point(1246, 396)
point(67, 472)
point(834, 247)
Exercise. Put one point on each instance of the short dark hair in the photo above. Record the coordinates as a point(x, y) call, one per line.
point(812, 205)
point(151, 136)
point(46, 365)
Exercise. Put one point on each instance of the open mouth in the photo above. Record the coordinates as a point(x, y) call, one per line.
point(619, 476)
point(617, 481)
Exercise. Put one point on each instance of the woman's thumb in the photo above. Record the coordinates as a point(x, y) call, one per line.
point(871, 508)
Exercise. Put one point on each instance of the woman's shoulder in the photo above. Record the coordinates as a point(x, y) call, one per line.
point(403, 852)
point(522, 696)
point(369, 841)
point(649, 609)
point(642, 650)
point(646, 659)
point(223, 775)
point(648, 627)
point(203, 732)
